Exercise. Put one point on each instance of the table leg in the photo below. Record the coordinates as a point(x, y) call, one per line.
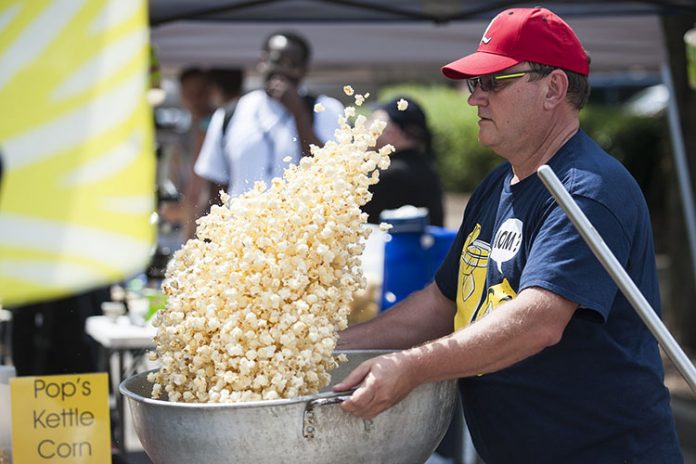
point(121, 434)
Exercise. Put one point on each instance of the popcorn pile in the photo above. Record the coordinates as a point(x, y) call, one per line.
point(256, 300)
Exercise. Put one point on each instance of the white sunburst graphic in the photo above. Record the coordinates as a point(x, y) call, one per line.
point(77, 188)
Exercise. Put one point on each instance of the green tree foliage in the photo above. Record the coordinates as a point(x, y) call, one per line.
point(461, 160)
point(638, 142)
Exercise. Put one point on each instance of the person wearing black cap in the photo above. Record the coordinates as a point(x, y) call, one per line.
point(411, 178)
point(554, 365)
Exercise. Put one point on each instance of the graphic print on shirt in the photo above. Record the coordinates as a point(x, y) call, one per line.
point(507, 242)
point(497, 294)
point(473, 269)
point(472, 277)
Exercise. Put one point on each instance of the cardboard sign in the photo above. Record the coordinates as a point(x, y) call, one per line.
point(61, 418)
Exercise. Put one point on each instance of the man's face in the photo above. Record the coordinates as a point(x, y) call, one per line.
point(510, 115)
point(284, 58)
point(195, 95)
point(217, 98)
point(390, 134)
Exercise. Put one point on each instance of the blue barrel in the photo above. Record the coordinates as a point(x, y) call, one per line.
point(412, 254)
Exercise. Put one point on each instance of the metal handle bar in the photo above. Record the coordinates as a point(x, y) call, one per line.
point(309, 420)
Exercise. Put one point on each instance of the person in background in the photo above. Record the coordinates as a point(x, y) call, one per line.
point(271, 123)
point(195, 91)
point(411, 178)
point(195, 95)
point(225, 89)
point(555, 366)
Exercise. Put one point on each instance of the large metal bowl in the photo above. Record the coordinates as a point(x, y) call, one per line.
point(310, 429)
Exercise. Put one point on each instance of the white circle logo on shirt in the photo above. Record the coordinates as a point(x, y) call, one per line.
point(507, 242)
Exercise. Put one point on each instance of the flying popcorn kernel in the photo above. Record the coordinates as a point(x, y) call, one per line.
point(255, 301)
point(348, 90)
point(287, 159)
point(401, 105)
point(359, 99)
point(318, 108)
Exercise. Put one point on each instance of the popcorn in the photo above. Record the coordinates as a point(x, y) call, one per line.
point(359, 99)
point(318, 108)
point(401, 105)
point(256, 300)
point(348, 90)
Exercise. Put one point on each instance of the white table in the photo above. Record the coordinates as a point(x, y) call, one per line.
point(120, 334)
point(119, 337)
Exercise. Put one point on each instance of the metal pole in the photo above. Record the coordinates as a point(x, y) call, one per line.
point(619, 275)
point(681, 166)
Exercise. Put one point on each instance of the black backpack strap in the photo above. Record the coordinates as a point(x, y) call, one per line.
point(310, 100)
point(229, 112)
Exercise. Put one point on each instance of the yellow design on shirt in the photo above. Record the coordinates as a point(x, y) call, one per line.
point(472, 277)
point(472, 282)
point(497, 294)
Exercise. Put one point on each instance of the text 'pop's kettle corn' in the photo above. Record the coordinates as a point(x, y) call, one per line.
point(256, 300)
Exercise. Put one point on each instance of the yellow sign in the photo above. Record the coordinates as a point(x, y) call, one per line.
point(77, 191)
point(61, 418)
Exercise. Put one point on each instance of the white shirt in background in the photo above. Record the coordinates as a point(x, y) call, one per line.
point(260, 134)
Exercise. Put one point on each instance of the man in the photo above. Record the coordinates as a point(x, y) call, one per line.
point(194, 92)
point(554, 365)
point(271, 123)
point(225, 90)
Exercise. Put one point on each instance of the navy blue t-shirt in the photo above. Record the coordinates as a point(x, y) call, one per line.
point(598, 395)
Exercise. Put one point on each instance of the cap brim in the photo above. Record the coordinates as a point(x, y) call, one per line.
point(478, 64)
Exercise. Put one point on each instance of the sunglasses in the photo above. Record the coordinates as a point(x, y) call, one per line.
point(493, 82)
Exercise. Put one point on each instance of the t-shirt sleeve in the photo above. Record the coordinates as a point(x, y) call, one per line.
point(326, 122)
point(211, 163)
point(560, 261)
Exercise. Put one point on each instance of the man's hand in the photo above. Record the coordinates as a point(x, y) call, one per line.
point(285, 91)
point(386, 380)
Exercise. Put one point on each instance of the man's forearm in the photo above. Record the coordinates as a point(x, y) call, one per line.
point(424, 316)
point(305, 132)
point(512, 332)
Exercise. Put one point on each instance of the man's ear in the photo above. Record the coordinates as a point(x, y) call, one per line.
point(556, 89)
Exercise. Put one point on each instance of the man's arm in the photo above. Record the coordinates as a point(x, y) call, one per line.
point(520, 328)
point(423, 316)
point(285, 92)
point(201, 207)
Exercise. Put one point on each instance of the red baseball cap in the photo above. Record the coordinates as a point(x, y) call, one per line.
point(522, 34)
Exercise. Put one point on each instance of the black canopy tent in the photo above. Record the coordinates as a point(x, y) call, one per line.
point(370, 42)
point(377, 41)
point(436, 11)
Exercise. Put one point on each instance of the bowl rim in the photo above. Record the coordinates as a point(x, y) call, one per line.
point(122, 388)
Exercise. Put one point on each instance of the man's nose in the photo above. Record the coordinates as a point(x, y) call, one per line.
point(478, 97)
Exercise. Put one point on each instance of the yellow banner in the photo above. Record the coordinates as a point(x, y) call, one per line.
point(61, 418)
point(76, 143)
